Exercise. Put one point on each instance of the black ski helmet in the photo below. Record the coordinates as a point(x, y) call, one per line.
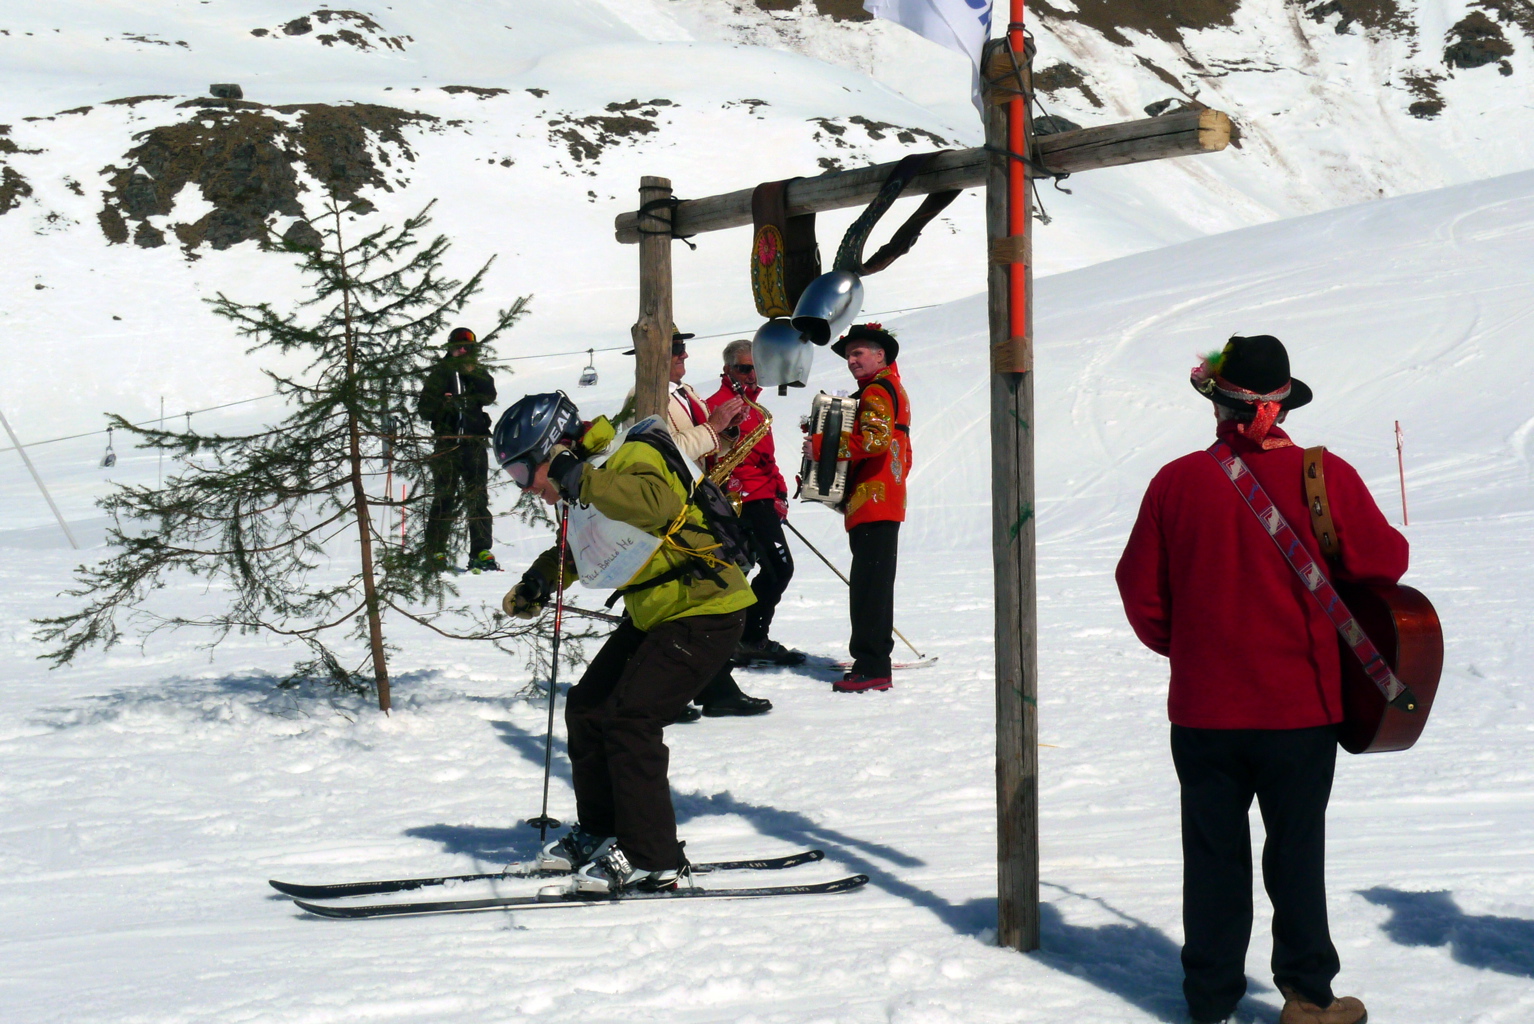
point(528, 431)
point(461, 337)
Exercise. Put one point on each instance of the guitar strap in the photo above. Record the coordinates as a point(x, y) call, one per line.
point(1320, 508)
point(1277, 527)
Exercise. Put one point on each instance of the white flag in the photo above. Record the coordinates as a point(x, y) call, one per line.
point(962, 25)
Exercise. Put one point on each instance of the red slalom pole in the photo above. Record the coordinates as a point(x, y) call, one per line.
point(1017, 187)
point(1401, 468)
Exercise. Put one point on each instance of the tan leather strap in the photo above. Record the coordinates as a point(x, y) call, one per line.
point(1320, 508)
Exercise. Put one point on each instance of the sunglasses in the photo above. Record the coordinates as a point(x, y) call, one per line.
point(743, 368)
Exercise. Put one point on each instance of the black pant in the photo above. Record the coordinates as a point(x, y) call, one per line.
point(872, 600)
point(636, 685)
point(774, 565)
point(459, 471)
point(1290, 773)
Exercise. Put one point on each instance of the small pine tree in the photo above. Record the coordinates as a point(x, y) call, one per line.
point(254, 512)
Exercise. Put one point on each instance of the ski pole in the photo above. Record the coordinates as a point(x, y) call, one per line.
point(543, 822)
point(1401, 468)
point(39, 481)
point(845, 580)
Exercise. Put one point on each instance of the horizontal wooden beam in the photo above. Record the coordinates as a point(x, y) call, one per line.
point(1186, 133)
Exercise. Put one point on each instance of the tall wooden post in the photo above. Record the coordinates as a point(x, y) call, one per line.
point(652, 333)
point(1012, 519)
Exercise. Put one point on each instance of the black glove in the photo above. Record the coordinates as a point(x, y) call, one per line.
point(565, 471)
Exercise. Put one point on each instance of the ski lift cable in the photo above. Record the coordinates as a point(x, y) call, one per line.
point(507, 359)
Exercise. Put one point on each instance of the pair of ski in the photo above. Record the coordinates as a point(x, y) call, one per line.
point(303, 893)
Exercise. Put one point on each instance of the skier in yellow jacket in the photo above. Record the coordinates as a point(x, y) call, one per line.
point(685, 611)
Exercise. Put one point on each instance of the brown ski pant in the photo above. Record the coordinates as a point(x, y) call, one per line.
point(636, 685)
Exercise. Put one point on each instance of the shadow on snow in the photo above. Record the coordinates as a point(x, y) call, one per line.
point(1131, 960)
point(1504, 944)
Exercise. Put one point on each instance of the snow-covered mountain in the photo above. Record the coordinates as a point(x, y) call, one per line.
point(127, 191)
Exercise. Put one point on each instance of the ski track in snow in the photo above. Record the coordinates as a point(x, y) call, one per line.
point(148, 795)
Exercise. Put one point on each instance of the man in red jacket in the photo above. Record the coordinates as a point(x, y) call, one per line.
point(1255, 693)
point(879, 448)
point(763, 508)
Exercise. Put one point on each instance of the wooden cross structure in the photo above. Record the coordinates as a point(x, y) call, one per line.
point(1006, 81)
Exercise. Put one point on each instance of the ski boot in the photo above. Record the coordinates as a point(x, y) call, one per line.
point(483, 562)
point(572, 850)
point(611, 874)
point(766, 651)
point(856, 682)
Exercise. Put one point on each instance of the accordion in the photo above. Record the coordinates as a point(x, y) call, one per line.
point(825, 479)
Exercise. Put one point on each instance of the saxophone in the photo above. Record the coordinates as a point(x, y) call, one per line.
point(743, 446)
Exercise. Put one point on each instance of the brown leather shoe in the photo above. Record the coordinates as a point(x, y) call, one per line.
point(1347, 1010)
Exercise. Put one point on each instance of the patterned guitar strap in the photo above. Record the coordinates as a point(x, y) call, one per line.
point(1397, 694)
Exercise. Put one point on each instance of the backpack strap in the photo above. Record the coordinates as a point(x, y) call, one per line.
point(1320, 508)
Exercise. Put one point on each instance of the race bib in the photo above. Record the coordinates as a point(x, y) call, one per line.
point(607, 553)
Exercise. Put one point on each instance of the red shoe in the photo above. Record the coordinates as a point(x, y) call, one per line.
point(856, 682)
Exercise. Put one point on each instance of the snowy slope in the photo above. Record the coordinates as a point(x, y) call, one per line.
point(147, 795)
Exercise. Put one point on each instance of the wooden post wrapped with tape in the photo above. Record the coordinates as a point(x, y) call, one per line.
point(1012, 536)
point(652, 333)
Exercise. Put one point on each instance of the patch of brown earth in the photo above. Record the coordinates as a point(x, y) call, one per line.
point(244, 162)
point(1424, 86)
point(475, 90)
point(586, 137)
point(349, 27)
point(1164, 19)
point(14, 186)
point(1058, 77)
point(1376, 16)
point(1476, 41)
point(836, 10)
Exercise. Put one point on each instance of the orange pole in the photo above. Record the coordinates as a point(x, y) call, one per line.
point(1017, 189)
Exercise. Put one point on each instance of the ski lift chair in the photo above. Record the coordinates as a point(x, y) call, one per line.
point(589, 374)
point(109, 457)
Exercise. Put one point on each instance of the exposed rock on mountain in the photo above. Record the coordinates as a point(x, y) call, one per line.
point(249, 162)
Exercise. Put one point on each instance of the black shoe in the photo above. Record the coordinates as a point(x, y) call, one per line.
point(739, 704)
point(687, 714)
point(767, 650)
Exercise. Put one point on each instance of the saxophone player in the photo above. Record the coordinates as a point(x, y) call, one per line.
point(697, 431)
point(758, 486)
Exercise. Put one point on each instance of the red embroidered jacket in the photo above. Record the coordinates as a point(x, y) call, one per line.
point(880, 450)
point(757, 477)
point(1204, 584)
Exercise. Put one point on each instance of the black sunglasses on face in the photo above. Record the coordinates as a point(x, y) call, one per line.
point(743, 368)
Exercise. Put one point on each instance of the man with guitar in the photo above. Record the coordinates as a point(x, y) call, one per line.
point(1256, 696)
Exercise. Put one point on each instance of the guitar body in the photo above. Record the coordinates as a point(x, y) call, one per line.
point(1404, 627)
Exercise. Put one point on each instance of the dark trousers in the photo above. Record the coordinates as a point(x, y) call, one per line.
point(872, 599)
point(1290, 773)
point(774, 565)
point(459, 472)
point(636, 685)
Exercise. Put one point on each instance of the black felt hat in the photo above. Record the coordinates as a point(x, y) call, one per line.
point(678, 345)
point(872, 334)
point(1248, 371)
